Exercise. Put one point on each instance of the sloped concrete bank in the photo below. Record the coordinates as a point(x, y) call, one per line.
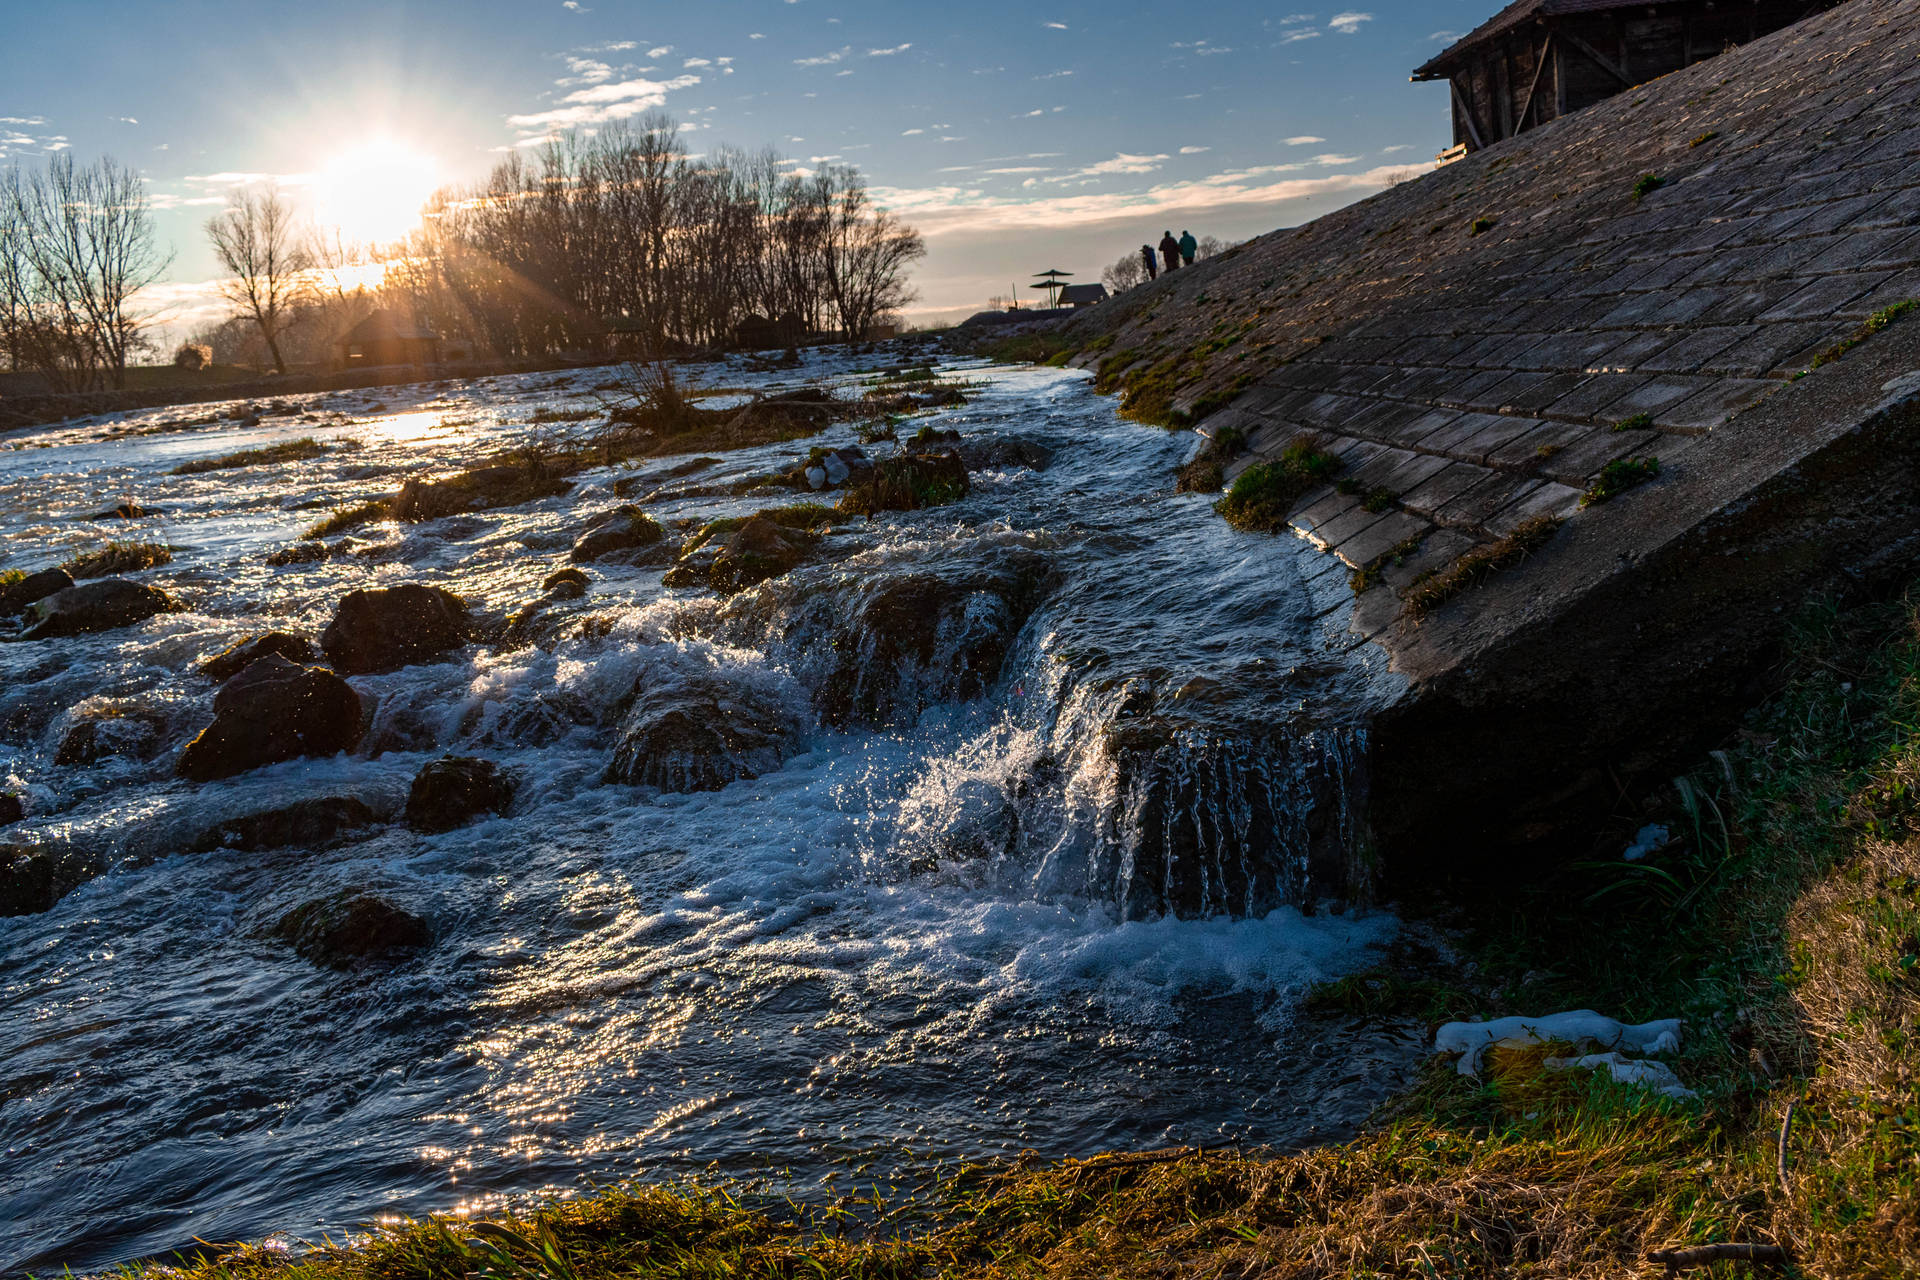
point(1708, 273)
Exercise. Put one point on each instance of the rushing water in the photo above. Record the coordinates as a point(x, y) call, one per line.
point(1041, 890)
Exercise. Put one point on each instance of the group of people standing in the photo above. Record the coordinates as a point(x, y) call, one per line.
point(1177, 253)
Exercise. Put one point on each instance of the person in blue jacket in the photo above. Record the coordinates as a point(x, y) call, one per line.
point(1153, 263)
point(1188, 247)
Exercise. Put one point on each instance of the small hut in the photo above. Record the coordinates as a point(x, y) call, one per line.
point(388, 337)
point(1082, 295)
point(1537, 60)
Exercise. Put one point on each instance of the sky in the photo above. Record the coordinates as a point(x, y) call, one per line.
point(1017, 135)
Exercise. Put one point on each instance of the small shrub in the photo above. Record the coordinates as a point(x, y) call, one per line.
point(1265, 492)
point(1480, 226)
point(1207, 472)
point(1704, 138)
point(1619, 476)
point(1648, 184)
point(117, 558)
point(193, 357)
point(1638, 422)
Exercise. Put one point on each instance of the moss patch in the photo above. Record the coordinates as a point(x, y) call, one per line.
point(117, 558)
point(1432, 589)
point(1264, 494)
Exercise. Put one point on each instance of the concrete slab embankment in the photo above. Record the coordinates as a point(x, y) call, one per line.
point(1649, 279)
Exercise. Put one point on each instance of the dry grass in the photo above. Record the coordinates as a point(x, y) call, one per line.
point(346, 518)
point(1784, 925)
point(1434, 588)
point(299, 450)
point(117, 558)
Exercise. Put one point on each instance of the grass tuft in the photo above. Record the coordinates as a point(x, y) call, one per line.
point(300, 450)
point(1647, 185)
point(1434, 588)
point(346, 518)
point(1617, 477)
point(1265, 492)
point(117, 558)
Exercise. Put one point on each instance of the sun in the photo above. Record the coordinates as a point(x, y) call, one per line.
point(374, 192)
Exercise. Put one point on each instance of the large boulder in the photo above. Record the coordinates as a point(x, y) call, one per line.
point(760, 549)
point(96, 606)
point(453, 792)
point(387, 628)
point(240, 655)
point(626, 528)
point(699, 733)
point(16, 596)
point(34, 877)
point(309, 824)
point(274, 710)
point(350, 930)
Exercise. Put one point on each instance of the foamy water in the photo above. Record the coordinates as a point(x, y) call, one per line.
point(921, 939)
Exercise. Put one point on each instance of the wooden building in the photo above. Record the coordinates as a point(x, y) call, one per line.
point(387, 337)
point(1537, 60)
point(1078, 296)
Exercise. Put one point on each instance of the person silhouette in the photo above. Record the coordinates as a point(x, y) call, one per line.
point(1170, 250)
point(1188, 247)
point(1152, 263)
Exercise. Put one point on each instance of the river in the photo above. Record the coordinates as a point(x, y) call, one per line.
point(938, 930)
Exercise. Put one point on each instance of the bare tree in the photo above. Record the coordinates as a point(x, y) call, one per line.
point(868, 251)
point(76, 247)
point(1213, 246)
point(269, 264)
point(1123, 275)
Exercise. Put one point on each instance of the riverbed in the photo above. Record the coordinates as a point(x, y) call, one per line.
point(953, 924)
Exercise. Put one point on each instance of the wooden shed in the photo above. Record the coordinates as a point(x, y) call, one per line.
point(1083, 295)
point(1537, 60)
point(388, 337)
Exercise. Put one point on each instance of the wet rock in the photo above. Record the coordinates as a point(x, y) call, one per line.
point(352, 929)
point(944, 398)
point(623, 529)
point(127, 511)
point(16, 596)
point(451, 793)
point(904, 642)
point(312, 824)
point(699, 733)
point(97, 606)
point(566, 584)
point(11, 809)
point(1000, 452)
point(136, 736)
point(274, 710)
point(242, 654)
point(302, 552)
point(481, 489)
point(760, 549)
point(909, 482)
point(34, 877)
point(387, 628)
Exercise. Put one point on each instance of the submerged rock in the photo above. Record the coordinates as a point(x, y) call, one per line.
point(34, 877)
point(312, 824)
point(126, 511)
point(274, 710)
point(302, 552)
point(566, 584)
point(16, 596)
point(699, 734)
point(998, 452)
point(623, 529)
point(453, 792)
point(240, 655)
point(387, 628)
point(760, 549)
point(352, 929)
point(136, 735)
point(11, 809)
point(97, 606)
point(482, 489)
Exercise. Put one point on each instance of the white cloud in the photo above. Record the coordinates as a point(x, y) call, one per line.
point(1331, 161)
point(825, 59)
point(888, 53)
point(1304, 140)
point(691, 63)
point(610, 46)
point(28, 120)
point(1054, 26)
point(1193, 151)
point(1348, 24)
point(660, 51)
point(126, 120)
point(1404, 146)
point(1122, 163)
point(1293, 37)
point(586, 71)
point(603, 102)
point(1446, 37)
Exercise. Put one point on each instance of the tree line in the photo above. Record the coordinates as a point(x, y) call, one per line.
point(619, 241)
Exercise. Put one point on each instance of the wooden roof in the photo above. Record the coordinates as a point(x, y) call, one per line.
point(1519, 13)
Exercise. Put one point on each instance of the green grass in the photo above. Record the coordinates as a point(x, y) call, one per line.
point(1638, 422)
point(1264, 494)
point(1435, 587)
point(1647, 185)
point(1874, 324)
point(1783, 925)
point(292, 451)
point(1617, 477)
point(117, 558)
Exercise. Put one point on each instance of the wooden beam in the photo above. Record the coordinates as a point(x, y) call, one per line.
point(1605, 63)
point(1466, 114)
point(1538, 71)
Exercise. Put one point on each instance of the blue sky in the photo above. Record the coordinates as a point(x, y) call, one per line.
point(1018, 134)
